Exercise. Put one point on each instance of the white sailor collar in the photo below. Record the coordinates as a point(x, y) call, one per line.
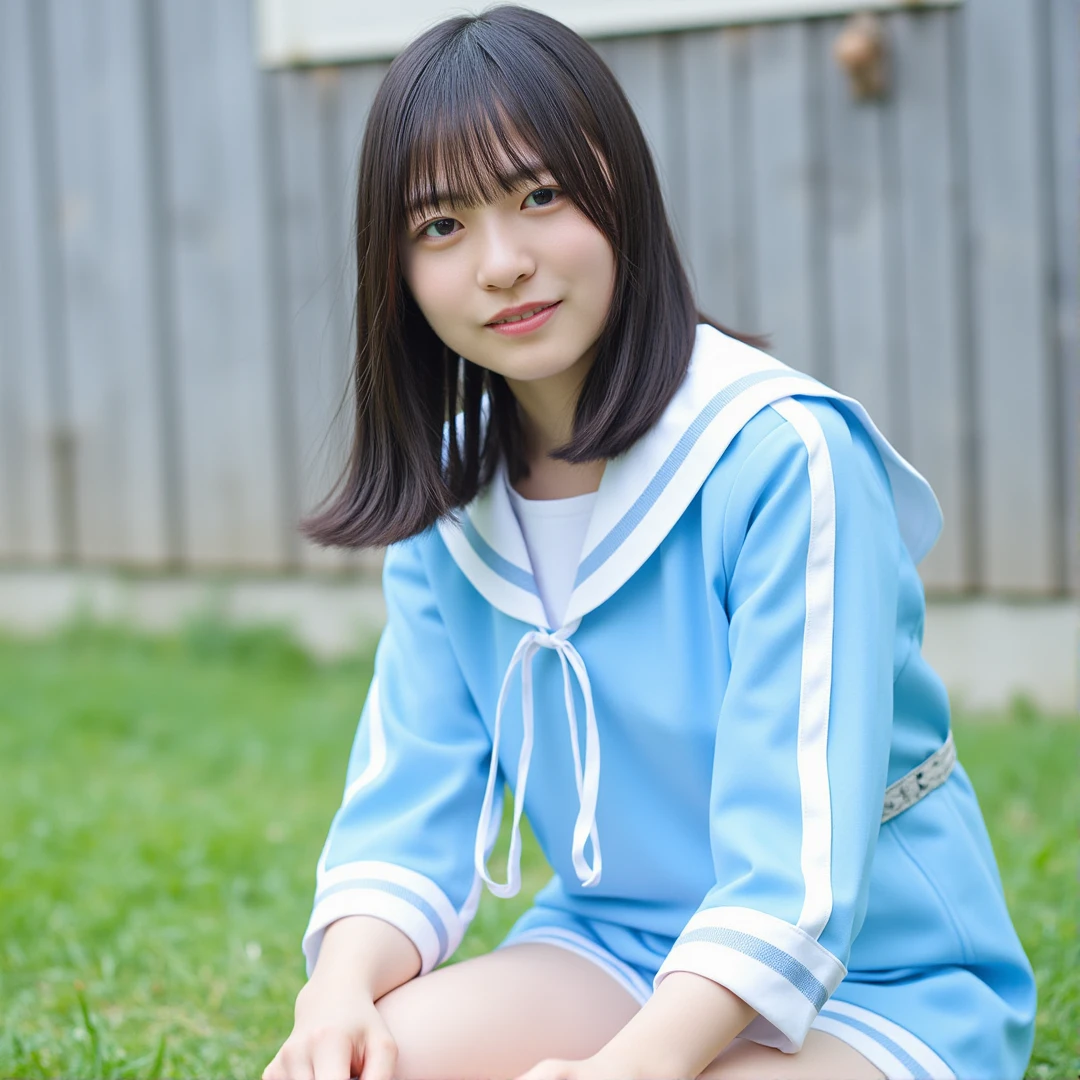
point(645, 491)
point(642, 494)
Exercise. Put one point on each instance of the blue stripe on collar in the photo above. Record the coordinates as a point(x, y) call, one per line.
point(523, 579)
point(663, 476)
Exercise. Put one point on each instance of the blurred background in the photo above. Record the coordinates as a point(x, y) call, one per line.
point(888, 189)
point(893, 201)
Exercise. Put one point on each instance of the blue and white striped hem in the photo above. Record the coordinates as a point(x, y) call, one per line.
point(898, 1053)
point(399, 892)
point(765, 952)
point(773, 966)
point(402, 897)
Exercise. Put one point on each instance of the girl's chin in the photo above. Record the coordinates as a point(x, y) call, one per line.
point(528, 358)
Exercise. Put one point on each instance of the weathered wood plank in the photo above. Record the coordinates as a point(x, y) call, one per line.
point(310, 280)
point(897, 371)
point(32, 431)
point(280, 264)
point(12, 408)
point(303, 319)
point(226, 377)
point(742, 179)
point(782, 207)
point(9, 396)
point(1019, 523)
point(855, 223)
point(673, 152)
point(1064, 39)
point(709, 213)
point(106, 243)
point(934, 334)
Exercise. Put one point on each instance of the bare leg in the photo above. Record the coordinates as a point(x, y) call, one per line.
point(822, 1057)
point(496, 1016)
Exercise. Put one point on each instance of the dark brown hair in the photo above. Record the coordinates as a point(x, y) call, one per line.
point(473, 101)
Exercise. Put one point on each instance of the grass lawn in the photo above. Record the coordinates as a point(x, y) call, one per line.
point(163, 802)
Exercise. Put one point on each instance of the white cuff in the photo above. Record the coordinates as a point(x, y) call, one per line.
point(775, 967)
point(405, 899)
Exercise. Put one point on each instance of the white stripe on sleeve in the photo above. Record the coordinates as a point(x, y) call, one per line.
point(816, 686)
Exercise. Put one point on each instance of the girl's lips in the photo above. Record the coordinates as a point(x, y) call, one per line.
point(526, 326)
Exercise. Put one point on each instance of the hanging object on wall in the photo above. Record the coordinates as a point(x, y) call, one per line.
point(861, 50)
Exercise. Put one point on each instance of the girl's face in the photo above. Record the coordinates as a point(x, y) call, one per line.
point(531, 248)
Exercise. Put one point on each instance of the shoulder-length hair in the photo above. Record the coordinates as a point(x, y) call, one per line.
point(475, 101)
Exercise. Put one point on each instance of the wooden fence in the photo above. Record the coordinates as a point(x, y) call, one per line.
point(175, 278)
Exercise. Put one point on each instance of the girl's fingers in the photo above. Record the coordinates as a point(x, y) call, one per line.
point(380, 1057)
point(331, 1057)
point(286, 1067)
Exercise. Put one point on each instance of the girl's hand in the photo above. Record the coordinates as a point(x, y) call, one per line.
point(597, 1067)
point(335, 1036)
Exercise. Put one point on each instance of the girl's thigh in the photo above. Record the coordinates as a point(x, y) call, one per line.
point(499, 1014)
point(822, 1057)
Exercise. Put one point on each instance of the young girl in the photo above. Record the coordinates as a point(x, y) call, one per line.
point(663, 587)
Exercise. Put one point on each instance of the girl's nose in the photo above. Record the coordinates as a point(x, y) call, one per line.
point(503, 259)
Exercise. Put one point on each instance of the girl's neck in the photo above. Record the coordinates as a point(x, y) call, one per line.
point(550, 478)
point(546, 408)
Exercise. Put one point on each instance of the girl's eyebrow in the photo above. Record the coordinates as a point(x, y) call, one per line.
point(418, 205)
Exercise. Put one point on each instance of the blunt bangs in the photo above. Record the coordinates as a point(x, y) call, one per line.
point(469, 111)
point(497, 112)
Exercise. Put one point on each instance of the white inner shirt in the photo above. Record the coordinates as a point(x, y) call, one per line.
point(554, 531)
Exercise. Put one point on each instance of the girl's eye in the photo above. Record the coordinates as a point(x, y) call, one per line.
point(442, 226)
point(543, 196)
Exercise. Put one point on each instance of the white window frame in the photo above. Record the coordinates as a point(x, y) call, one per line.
point(294, 32)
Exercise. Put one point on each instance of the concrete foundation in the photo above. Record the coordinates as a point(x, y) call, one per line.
point(989, 652)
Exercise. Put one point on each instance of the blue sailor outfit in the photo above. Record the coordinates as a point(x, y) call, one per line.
point(778, 807)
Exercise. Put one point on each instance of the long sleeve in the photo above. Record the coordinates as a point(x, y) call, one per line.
point(809, 564)
point(401, 845)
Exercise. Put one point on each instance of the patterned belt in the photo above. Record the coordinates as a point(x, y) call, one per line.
point(918, 783)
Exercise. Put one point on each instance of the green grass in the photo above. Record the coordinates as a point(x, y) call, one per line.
point(163, 801)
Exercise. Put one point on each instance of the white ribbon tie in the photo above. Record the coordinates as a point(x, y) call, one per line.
point(587, 780)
